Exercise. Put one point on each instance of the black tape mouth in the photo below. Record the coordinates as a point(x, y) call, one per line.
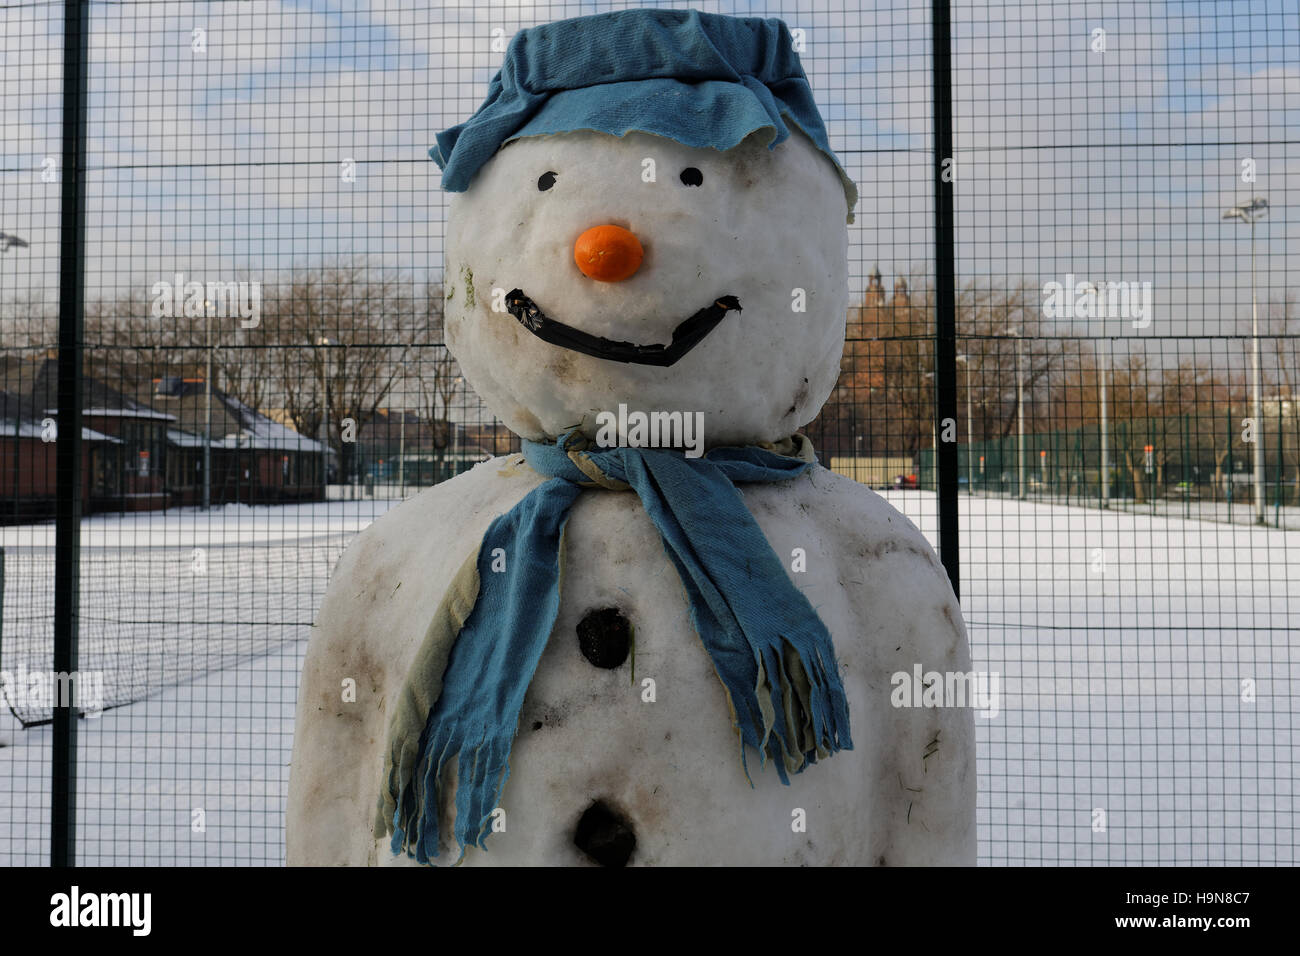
point(686, 336)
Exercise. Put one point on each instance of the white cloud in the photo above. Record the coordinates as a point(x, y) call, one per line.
point(1068, 160)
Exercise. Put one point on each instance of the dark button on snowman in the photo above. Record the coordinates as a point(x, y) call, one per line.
point(644, 640)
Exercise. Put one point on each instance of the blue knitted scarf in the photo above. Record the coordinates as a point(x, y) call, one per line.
point(464, 693)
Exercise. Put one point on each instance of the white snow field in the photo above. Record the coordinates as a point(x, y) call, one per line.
point(1147, 674)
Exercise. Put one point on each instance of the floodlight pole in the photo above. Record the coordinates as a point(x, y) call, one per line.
point(1257, 397)
point(970, 430)
point(207, 408)
point(1020, 418)
point(1102, 371)
point(18, 243)
point(1250, 213)
point(327, 342)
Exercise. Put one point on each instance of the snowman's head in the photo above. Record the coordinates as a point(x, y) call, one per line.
point(648, 217)
point(585, 271)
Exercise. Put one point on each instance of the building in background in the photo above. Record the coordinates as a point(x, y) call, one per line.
point(28, 440)
point(144, 451)
point(255, 459)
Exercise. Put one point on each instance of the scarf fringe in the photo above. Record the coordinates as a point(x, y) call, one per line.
point(481, 774)
point(802, 711)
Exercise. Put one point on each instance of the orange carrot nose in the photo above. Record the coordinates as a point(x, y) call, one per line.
point(608, 253)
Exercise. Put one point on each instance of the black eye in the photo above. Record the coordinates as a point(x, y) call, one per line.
point(692, 176)
point(545, 181)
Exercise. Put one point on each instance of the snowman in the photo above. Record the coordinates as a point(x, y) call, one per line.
point(663, 634)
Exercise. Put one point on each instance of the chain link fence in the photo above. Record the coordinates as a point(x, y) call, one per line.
point(263, 373)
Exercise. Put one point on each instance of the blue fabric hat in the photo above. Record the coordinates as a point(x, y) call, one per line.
point(701, 79)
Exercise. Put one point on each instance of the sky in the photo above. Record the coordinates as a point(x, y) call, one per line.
point(1113, 164)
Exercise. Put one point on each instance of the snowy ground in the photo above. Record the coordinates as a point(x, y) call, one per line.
point(1238, 511)
point(209, 615)
point(1122, 640)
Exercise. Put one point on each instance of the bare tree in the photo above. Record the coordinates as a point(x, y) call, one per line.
point(343, 334)
point(1134, 407)
point(29, 321)
point(884, 401)
point(438, 379)
point(127, 346)
point(1282, 352)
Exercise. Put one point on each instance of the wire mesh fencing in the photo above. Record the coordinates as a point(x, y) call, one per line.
point(264, 373)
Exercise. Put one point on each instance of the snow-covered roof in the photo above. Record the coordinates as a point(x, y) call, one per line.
point(249, 440)
point(129, 413)
point(287, 440)
point(30, 429)
point(261, 432)
point(121, 413)
point(184, 439)
point(25, 430)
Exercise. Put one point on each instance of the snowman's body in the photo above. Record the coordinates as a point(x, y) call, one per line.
point(760, 230)
point(671, 767)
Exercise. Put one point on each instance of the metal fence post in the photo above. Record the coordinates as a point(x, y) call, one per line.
point(2, 596)
point(1277, 499)
point(945, 324)
point(67, 541)
point(1228, 490)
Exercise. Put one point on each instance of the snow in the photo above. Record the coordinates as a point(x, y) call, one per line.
point(260, 432)
point(121, 413)
point(257, 438)
point(185, 440)
point(27, 429)
point(1122, 640)
point(221, 652)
